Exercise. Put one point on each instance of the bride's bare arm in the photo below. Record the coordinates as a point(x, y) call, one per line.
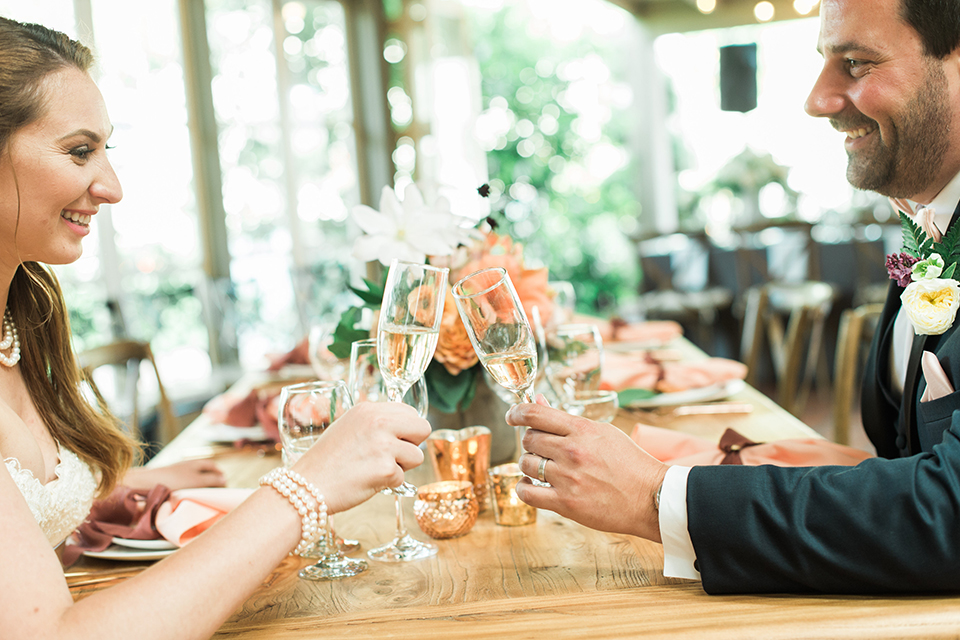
point(191, 593)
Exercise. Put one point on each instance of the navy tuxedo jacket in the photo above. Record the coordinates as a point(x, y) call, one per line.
point(890, 524)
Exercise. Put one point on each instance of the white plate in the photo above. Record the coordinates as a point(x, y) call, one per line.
point(148, 545)
point(703, 394)
point(115, 552)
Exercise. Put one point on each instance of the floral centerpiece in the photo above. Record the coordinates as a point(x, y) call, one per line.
point(416, 230)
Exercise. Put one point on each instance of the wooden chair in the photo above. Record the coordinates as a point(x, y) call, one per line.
point(126, 356)
point(792, 318)
point(856, 332)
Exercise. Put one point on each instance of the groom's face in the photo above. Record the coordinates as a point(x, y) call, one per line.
point(891, 100)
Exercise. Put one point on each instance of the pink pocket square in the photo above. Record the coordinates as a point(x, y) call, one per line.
point(938, 385)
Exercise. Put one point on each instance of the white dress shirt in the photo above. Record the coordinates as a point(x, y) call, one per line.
point(678, 553)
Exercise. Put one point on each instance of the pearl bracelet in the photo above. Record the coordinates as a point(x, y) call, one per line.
point(306, 499)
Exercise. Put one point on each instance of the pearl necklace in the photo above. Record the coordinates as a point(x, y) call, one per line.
point(11, 340)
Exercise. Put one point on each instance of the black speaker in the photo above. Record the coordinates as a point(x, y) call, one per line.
point(738, 77)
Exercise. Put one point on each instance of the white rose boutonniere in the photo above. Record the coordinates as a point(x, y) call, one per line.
point(931, 304)
point(926, 268)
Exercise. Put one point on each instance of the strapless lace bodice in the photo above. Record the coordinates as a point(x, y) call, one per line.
point(61, 505)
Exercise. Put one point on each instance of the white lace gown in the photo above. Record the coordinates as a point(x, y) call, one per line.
point(61, 505)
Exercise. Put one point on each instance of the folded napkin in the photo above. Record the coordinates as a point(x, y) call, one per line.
point(938, 384)
point(650, 331)
point(138, 514)
point(643, 371)
point(300, 354)
point(260, 406)
point(672, 447)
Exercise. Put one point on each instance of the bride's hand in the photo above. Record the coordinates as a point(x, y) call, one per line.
point(365, 450)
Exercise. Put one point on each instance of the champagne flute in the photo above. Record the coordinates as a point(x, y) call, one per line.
point(367, 385)
point(306, 410)
point(499, 330)
point(408, 329)
point(575, 359)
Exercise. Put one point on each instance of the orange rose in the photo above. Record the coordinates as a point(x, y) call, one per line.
point(454, 349)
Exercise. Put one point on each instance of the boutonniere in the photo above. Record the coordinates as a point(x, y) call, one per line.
point(925, 267)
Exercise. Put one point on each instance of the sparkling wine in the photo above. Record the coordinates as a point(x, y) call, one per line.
point(404, 352)
point(514, 369)
point(294, 448)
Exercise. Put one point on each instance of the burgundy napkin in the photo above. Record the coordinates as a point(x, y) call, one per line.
point(300, 354)
point(125, 513)
point(258, 406)
point(938, 384)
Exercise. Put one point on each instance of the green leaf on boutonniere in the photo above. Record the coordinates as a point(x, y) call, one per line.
point(949, 245)
point(346, 333)
point(948, 272)
point(915, 241)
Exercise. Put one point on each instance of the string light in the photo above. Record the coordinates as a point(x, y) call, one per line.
point(706, 6)
point(803, 7)
point(763, 11)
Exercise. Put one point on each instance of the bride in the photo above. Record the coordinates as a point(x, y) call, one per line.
point(59, 452)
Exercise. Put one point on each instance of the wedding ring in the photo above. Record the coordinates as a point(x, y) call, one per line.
point(540, 469)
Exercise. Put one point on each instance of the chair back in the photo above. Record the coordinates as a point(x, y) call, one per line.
point(790, 318)
point(126, 356)
point(856, 332)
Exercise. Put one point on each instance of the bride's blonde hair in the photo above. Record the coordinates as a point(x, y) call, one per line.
point(28, 54)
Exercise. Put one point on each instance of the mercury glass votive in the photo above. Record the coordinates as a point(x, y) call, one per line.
point(446, 509)
point(508, 509)
point(462, 455)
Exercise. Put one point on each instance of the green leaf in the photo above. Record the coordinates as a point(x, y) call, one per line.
point(948, 272)
point(450, 393)
point(372, 296)
point(628, 396)
point(911, 236)
point(346, 333)
point(949, 245)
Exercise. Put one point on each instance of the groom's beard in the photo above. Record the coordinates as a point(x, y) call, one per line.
point(902, 164)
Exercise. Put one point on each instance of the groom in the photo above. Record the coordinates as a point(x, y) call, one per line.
point(891, 83)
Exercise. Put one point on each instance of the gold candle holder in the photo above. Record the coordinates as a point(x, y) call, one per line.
point(462, 455)
point(508, 509)
point(446, 509)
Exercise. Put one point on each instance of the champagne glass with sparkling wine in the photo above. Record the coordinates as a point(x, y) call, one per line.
point(366, 385)
point(407, 335)
point(306, 411)
point(499, 330)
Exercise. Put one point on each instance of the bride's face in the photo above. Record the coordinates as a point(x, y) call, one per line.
point(58, 165)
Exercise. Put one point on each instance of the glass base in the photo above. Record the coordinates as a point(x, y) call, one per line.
point(333, 569)
point(319, 548)
point(405, 549)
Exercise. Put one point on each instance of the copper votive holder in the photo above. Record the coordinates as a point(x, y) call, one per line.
point(462, 454)
point(508, 509)
point(446, 509)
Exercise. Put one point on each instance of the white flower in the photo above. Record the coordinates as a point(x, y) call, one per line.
point(408, 231)
point(931, 305)
point(928, 269)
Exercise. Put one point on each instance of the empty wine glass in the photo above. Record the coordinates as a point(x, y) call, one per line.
point(367, 385)
point(408, 329)
point(599, 406)
point(574, 359)
point(306, 410)
point(499, 330)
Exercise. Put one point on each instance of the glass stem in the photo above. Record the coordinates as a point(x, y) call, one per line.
point(395, 393)
point(331, 549)
point(401, 528)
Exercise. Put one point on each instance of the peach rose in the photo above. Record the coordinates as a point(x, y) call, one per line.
point(454, 349)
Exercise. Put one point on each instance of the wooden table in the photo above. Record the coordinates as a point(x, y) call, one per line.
point(552, 579)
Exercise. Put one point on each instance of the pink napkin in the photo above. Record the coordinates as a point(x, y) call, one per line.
point(139, 514)
point(190, 512)
point(651, 331)
point(300, 354)
point(938, 384)
point(682, 449)
point(259, 406)
point(642, 371)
